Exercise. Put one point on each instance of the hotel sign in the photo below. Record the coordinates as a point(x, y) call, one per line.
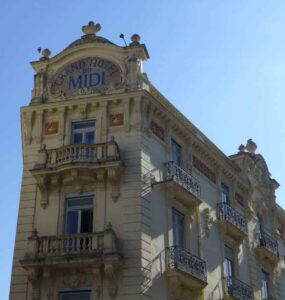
point(86, 76)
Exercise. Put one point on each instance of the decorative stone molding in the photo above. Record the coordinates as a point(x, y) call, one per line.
point(127, 105)
point(28, 124)
point(114, 178)
point(110, 272)
point(39, 127)
point(62, 120)
point(75, 279)
point(81, 164)
point(208, 221)
point(34, 277)
point(97, 282)
point(44, 185)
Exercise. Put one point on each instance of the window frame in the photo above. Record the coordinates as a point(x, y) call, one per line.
point(79, 209)
point(176, 212)
point(83, 131)
point(73, 291)
point(177, 159)
point(265, 279)
point(225, 193)
point(229, 262)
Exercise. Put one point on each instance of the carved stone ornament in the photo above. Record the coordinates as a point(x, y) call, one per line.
point(34, 277)
point(91, 28)
point(74, 279)
point(251, 146)
point(45, 54)
point(208, 220)
point(112, 281)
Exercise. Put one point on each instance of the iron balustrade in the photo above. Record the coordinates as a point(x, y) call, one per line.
point(238, 289)
point(179, 258)
point(268, 242)
point(226, 212)
point(182, 177)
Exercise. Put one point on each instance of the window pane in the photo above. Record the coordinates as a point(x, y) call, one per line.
point(89, 138)
point(86, 221)
point(83, 132)
point(176, 152)
point(229, 252)
point(229, 261)
point(265, 284)
point(178, 228)
point(77, 138)
point(229, 268)
point(71, 222)
point(83, 295)
point(225, 194)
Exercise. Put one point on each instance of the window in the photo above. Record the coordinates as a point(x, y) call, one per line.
point(79, 214)
point(83, 132)
point(178, 228)
point(176, 150)
point(229, 261)
point(265, 284)
point(75, 295)
point(225, 193)
point(259, 223)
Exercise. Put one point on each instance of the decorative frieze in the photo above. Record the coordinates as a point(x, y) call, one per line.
point(51, 127)
point(116, 119)
point(204, 169)
point(239, 199)
point(157, 130)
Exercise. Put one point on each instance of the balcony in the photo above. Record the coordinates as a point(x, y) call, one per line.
point(84, 250)
point(185, 269)
point(238, 290)
point(232, 221)
point(79, 163)
point(268, 248)
point(181, 185)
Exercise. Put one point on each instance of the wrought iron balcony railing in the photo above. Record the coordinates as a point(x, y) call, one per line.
point(226, 212)
point(78, 153)
point(238, 289)
point(179, 258)
point(183, 178)
point(93, 244)
point(269, 243)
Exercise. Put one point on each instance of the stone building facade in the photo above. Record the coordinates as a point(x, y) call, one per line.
point(124, 198)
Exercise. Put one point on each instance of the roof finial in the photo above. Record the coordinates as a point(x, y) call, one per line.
point(91, 28)
point(251, 146)
point(241, 148)
point(46, 54)
point(135, 38)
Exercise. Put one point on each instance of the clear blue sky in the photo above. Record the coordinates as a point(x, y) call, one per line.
point(221, 62)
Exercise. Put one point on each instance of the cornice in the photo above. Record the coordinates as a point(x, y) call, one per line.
point(219, 158)
point(82, 100)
